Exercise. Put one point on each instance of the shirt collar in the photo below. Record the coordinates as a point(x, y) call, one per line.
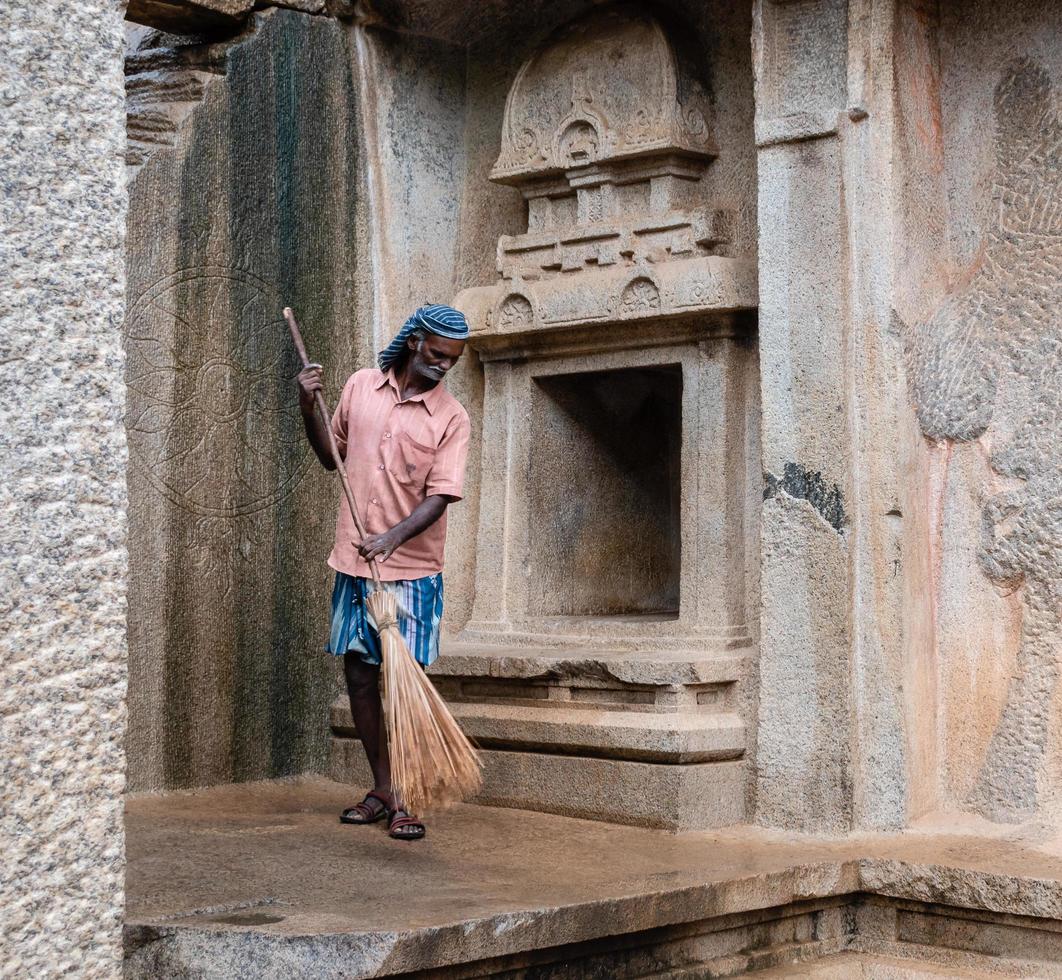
point(429, 399)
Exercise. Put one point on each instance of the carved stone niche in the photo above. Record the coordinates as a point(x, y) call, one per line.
point(608, 135)
point(608, 641)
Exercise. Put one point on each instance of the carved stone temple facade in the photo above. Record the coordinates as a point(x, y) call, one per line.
point(762, 531)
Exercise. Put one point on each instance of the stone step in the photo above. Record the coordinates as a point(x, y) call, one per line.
point(870, 966)
point(608, 634)
point(645, 666)
point(645, 736)
point(674, 737)
point(699, 796)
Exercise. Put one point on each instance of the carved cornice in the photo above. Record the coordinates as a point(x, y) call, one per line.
point(516, 316)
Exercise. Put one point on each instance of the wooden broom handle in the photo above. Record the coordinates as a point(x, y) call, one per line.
point(326, 417)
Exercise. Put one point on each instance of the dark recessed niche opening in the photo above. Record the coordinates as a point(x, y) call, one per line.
point(604, 493)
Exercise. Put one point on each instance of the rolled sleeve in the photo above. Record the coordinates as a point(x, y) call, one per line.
point(447, 476)
point(340, 416)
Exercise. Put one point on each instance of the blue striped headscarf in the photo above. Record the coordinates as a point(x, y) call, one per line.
point(444, 321)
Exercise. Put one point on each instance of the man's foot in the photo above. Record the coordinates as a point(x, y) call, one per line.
point(402, 826)
point(375, 806)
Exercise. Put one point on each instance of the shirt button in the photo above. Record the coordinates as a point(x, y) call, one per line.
point(375, 501)
point(380, 467)
point(387, 435)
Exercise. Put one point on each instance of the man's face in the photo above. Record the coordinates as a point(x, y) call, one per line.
point(431, 357)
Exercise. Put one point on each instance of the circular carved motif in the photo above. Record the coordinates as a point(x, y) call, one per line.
point(641, 296)
point(212, 416)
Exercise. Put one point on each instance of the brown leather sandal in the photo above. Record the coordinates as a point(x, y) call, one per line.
point(374, 807)
point(402, 826)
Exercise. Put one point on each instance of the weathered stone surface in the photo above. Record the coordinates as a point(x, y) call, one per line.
point(801, 52)
point(864, 966)
point(264, 880)
point(281, 849)
point(62, 492)
point(579, 665)
point(189, 16)
point(803, 760)
point(163, 85)
point(985, 382)
point(907, 406)
point(606, 87)
point(231, 517)
point(672, 737)
point(412, 94)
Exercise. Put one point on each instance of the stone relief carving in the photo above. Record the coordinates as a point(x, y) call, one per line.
point(209, 371)
point(990, 360)
point(221, 548)
point(618, 60)
point(700, 291)
point(578, 143)
point(640, 297)
point(624, 227)
point(516, 313)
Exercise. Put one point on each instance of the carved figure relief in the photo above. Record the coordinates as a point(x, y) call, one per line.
point(644, 128)
point(210, 416)
point(516, 313)
point(990, 360)
point(578, 144)
point(641, 296)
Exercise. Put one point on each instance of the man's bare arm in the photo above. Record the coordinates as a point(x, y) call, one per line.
point(427, 512)
point(316, 428)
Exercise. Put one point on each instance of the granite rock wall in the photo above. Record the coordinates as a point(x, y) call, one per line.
point(254, 205)
point(909, 245)
point(63, 490)
point(896, 178)
point(984, 340)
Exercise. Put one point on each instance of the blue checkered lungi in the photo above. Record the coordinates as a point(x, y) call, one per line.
point(420, 605)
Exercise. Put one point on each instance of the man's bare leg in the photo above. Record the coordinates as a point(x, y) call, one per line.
point(366, 708)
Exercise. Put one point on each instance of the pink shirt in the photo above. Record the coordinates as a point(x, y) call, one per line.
point(397, 453)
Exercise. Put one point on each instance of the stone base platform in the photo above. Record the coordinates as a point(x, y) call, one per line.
point(651, 737)
point(261, 880)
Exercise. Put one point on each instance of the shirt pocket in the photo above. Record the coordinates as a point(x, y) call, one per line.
point(411, 461)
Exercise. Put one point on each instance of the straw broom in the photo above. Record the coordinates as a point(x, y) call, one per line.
point(432, 762)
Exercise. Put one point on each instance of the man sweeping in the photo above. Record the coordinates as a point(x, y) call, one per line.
point(403, 438)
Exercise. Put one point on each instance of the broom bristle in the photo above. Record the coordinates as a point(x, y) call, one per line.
point(433, 764)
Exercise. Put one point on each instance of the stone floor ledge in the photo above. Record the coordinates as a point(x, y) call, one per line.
point(262, 880)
